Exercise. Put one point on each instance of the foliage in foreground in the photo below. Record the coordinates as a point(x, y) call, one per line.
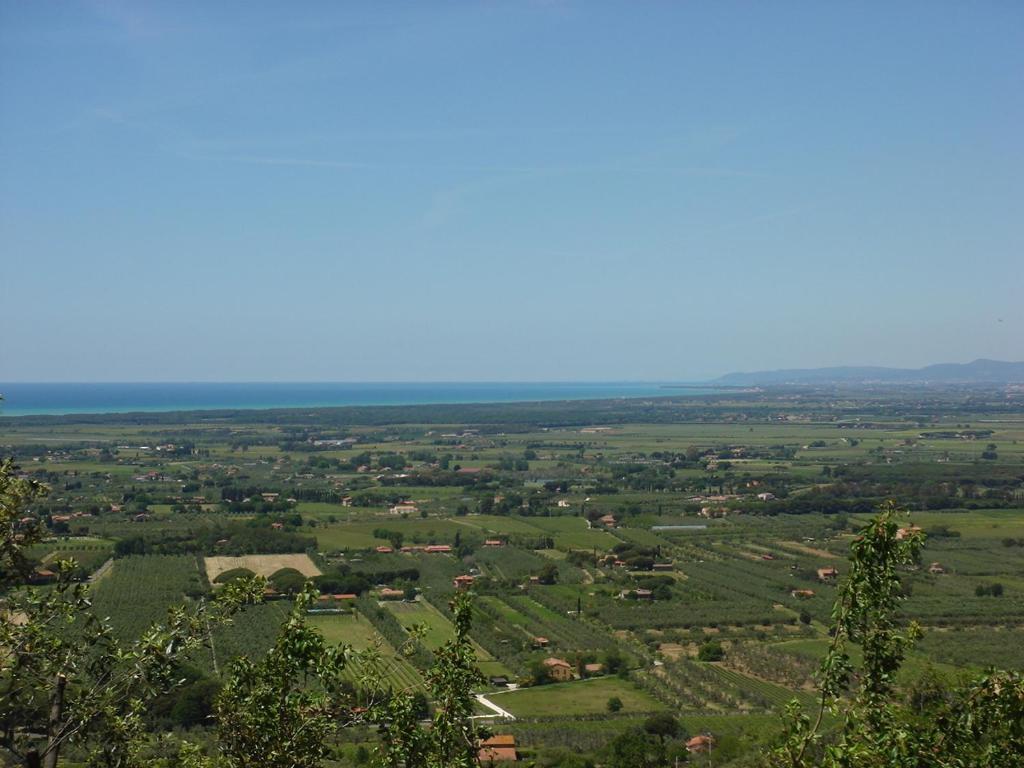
point(64, 676)
point(979, 723)
point(67, 682)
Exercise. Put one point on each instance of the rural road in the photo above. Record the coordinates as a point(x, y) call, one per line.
point(102, 571)
point(482, 698)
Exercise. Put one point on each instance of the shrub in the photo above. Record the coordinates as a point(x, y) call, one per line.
point(232, 575)
point(287, 580)
point(711, 651)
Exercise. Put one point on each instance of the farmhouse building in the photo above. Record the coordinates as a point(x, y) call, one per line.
point(559, 669)
point(500, 748)
point(639, 594)
point(42, 576)
point(903, 533)
point(827, 574)
point(936, 568)
point(713, 512)
point(463, 582)
point(705, 742)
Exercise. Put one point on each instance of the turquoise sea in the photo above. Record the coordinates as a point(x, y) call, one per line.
point(24, 399)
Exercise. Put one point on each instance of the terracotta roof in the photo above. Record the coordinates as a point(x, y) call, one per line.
point(701, 743)
point(553, 662)
point(499, 740)
point(500, 748)
point(497, 755)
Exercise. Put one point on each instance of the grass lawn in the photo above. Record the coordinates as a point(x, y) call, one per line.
point(580, 697)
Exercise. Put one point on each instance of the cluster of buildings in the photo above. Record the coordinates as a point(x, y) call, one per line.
point(432, 549)
point(501, 748)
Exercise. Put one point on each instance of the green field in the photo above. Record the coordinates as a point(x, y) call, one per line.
point(439, 630)
point(355, 631)
point(580, 697)
point(139, 590)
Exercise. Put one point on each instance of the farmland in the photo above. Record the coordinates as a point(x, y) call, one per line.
point(260, 565)
point(355, 631)
point(139, 590)
point(624, 540)
point(589, 697)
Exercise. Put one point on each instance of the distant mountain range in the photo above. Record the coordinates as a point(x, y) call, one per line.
point(977, 372)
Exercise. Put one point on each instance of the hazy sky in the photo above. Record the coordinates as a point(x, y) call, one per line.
point(506, 190)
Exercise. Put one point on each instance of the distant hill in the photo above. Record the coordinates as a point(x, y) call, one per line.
point(977, 372)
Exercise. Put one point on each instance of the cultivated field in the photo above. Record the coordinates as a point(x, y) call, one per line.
point(261, 565)
point(581, 697)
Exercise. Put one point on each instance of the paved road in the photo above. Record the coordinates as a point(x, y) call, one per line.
point(482, 698)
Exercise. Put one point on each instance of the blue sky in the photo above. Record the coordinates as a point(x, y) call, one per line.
point(506, 191)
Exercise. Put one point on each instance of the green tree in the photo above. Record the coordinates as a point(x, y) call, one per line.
point(548, 574)
point(663, 725)
point(711, 651)
point(281, 711)
point(288, 580)
point(633, 749)
point(614, 704)
point(979, 723)
point(64, 677)
point(450, 739)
